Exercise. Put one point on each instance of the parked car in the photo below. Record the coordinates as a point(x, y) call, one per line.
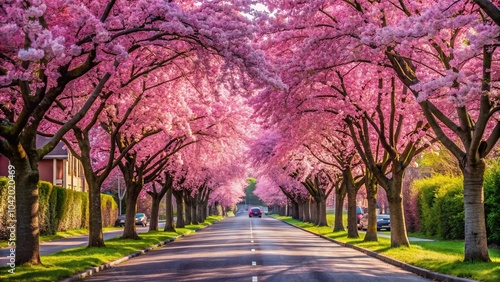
point(120, 221)
point(141, 218)
point(255, 212)
point(383, 222)
point(359, 215)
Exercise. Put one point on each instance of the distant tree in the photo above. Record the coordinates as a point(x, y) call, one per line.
point(250, 198)
point(438, 160)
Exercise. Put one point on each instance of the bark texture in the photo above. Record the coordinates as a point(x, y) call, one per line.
point(27, 227)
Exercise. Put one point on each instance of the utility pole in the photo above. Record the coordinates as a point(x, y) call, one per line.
point(120, 195)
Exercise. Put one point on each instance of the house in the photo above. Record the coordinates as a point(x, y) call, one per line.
point(58, 167)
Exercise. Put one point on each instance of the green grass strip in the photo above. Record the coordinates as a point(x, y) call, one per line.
point(62, 235)
point(68, 262)
point(443, 256)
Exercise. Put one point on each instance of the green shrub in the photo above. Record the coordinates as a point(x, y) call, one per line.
point(109, 210)
point(84, 223)
point(52, 202)
point(44, 216)
point(62, 209)
point(492, 201)
point(59, 209)
point(449, 208)
point(3, 208)
point(427, 189)
point(441, 206)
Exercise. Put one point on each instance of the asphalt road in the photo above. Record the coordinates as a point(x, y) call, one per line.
point(51, 247)
point(254, 249)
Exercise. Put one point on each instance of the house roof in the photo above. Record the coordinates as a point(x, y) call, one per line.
point(59, 152)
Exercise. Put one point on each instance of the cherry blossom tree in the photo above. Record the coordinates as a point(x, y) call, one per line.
point(115, 113)
point(295, 165)
point(166, 186)
point(269, 191)
point(47, 46)
point(451, 70)
point(436, 49)
point(265, 156)
point(213, 169)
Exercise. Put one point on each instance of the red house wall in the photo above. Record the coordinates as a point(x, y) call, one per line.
point(46, 168)
point(4, 164)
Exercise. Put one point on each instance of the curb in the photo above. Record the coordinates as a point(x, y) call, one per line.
point(89, 272)
point(435, 276)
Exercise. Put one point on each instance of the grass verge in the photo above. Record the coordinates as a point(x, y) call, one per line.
point(439, 256)
point(62, 234)
point(71, 261)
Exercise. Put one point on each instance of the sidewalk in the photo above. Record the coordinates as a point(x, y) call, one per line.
point(50, 247)
point(412, 239)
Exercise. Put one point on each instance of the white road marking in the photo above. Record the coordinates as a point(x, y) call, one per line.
point(254, 279)
point(251, 241)
point(253, 250)
point(254, 263)
point(251, 230)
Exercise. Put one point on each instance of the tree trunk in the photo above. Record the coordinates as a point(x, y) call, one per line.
point(218, 209)
point(132, 194)
point(352, 222)
point(203, 203)
point(27, 227)
point(282, 210)
point(397, 215)
point(352, 191)
point(301, 210)
point(199, 211)
point(476, 245)
point(156, 196)
point(179, 199)
point(295, 209)
point(194, 209)
point(205, 210)
point(321, 208)
point(314, 211)
point(339, 208)
point(169, 218)
point(371, 192)
point(316, 189)
point(155, 207)
point(96, 238)
point(307, 210)
point(94, 181)
point(188, 204)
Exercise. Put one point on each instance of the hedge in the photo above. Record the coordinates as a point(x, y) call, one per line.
point(441, 203)
point(492, 201)
point(60, 209)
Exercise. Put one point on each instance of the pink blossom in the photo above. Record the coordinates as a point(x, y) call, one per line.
point(30, 54)
point(35, 11)
point(75, 50)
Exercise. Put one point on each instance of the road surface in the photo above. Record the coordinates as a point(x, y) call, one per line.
point(254, 249)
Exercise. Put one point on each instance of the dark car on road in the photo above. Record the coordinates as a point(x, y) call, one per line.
point(255, 212)
point(120, 221)
point(383, 222)
point(140, 218)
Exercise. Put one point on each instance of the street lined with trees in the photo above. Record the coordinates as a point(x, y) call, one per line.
point(187, 99)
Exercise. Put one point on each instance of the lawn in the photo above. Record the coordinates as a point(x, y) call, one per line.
point(63, 234)
point(439, 256)
point(71, 261)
